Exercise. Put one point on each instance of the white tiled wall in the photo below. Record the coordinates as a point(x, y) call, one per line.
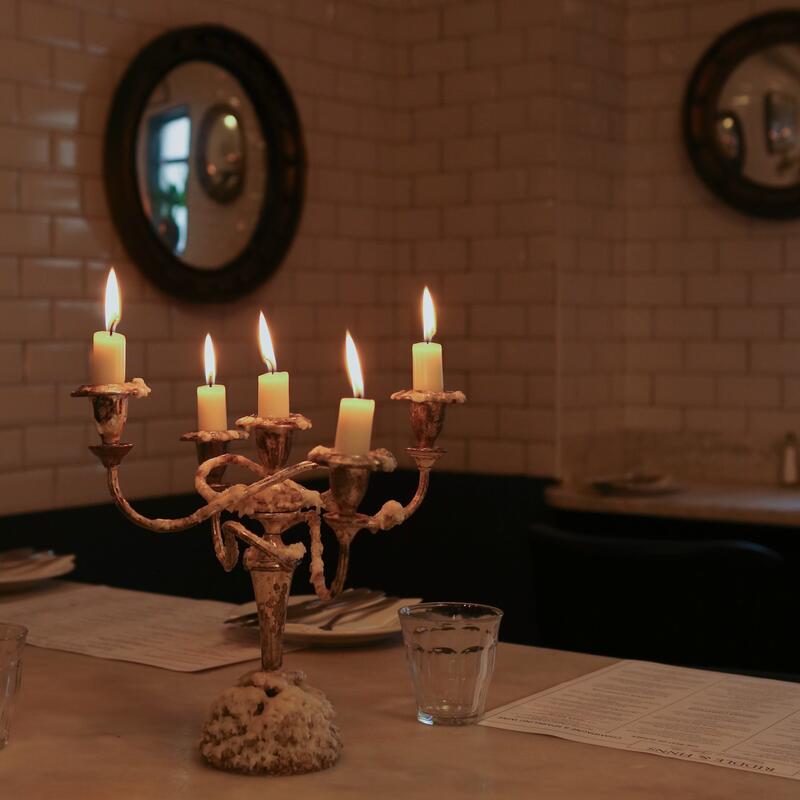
point(522, 157)
point(59, 62)
point(711, 295)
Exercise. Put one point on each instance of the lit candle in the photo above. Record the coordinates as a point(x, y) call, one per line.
point(354, 429)
point(427, 355)
point(273, 387)
point(212, 413)
point(107, 359)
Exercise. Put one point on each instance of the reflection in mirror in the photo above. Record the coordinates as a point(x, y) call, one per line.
point(201, 164)
point(763, 93)
point(730, 139)
point(221, 154)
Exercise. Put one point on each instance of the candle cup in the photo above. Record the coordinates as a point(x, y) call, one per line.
point(110, 416)
point(210, 444)
point(273, 437)
point(273, 446)
point(427, 411)
point(110, 406)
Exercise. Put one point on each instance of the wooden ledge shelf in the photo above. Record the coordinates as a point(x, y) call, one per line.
point(739, 503)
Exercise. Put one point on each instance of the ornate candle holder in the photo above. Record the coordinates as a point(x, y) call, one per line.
point(240, 735)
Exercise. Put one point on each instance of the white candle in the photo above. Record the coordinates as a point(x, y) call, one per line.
point(212, 411)
point(427, 356)
point(107, 359)
point(354, 428)
point(273, 387)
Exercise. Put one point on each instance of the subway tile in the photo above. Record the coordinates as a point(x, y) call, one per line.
point(748, 391)
point(51, 277)
point(496, 48)
point(24, 234)
point(57, 361)
point(760, 254)
point(716, 420)
point(684, 390)
point(24, 61)
point(53, 444)
point(684, 323)
point(50, 23)
point(23, 148)
point(27, 490)
point(77, 236)
point(724, 357)
point(653, 418)
point(748, 323)
point(49, 108)
point(82, 71)
point(441, 56)
point(27, 403)
point(40, 191)
point(105, 34)
point(464, 19)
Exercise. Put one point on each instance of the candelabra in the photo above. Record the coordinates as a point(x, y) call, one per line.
point(240, 735)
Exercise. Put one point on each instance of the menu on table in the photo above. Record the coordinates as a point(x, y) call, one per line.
point(173, 633)
point(695, 715)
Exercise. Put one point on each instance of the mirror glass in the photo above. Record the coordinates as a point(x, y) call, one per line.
point(202, 165)
point(758, 114)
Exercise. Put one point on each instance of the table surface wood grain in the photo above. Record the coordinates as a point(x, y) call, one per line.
point(95, 729)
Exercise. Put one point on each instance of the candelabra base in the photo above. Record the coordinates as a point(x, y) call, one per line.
point(272, 723)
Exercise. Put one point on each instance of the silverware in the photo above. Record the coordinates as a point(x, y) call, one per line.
point(30, 563)
point(313, 606)
point(360, 613)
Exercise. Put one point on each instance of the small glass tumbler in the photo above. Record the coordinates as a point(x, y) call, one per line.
point(450, 649)
point(12, 640)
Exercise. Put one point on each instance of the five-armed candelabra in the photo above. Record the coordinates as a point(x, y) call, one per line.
point(240, 735)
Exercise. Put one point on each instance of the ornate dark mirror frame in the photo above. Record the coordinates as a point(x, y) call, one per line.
point(285, 173)
point(700, 114)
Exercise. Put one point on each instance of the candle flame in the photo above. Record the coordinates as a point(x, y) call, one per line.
point(113, 303)
point(354, 366)
point(428, 315)
point(265, 344)
point(210, 359)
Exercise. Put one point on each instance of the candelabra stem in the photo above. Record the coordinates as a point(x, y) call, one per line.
point(271, 584)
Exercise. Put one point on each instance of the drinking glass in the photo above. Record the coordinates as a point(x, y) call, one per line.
point(12, 640)
point(450, 649)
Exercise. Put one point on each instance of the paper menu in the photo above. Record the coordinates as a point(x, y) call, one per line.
point(733, 721)
point(174, 633)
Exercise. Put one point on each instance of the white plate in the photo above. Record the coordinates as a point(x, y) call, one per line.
point(27, 579)
point(372, 628)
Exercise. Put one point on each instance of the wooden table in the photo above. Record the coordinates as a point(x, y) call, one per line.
point(96, 730)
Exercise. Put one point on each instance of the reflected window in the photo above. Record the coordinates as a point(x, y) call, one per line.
point(169, 143)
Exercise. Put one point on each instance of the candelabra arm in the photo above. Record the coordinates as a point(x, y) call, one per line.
point(225, 500)
point(318, 565)
point(419, 496)
point(226, 547)
point(286, 556)
point(393, 513)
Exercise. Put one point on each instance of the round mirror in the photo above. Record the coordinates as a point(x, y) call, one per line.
point(204, 164)
point(742, 116)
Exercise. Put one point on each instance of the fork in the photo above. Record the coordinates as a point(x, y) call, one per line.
point(296, 612)
point(361, 612)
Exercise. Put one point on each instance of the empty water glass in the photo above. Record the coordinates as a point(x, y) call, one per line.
point(450, 649)
point(12, 640)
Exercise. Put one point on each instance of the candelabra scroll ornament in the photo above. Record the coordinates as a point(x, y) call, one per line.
point(239, 734)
